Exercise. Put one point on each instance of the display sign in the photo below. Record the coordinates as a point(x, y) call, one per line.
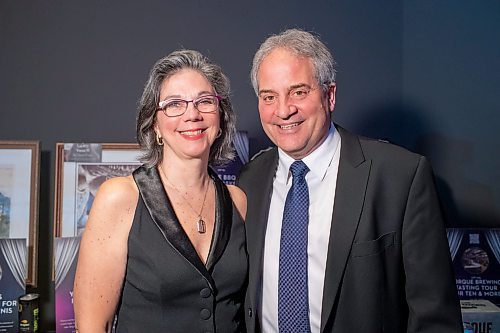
point(476, 261)
point(13, 270)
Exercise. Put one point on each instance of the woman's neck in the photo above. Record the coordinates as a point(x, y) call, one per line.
point(191, 174)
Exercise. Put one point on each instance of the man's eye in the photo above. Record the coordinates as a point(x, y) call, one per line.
point(268, 98)
point(299, 93)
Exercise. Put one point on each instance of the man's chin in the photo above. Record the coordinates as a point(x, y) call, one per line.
point(293, 149)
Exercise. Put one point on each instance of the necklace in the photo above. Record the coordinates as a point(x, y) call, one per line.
point(200, 224)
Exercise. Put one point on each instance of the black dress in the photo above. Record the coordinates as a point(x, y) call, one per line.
point(167, 288)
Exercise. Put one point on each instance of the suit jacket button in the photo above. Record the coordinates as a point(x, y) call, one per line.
point(250, 312)
point(205, 314)
point(205, 292)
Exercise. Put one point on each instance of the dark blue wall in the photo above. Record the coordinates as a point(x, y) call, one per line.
point(451, 76)
point(423, 74)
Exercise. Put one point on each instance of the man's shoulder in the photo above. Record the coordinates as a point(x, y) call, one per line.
point(263, 157)
point(381, 152)
point(378, 148)
point(383, 148)
point(392, 160)
point(261, 161)
point(264, 153)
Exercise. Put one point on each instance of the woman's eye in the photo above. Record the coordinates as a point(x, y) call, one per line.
point(206, 101)
point(173, 104)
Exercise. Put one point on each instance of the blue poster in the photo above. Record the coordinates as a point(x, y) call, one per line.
point(476, 261)
point(229, 172)
point(13, 272)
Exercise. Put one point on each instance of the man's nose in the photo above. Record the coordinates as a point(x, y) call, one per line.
point(285, 109)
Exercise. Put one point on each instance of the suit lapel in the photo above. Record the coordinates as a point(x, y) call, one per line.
point(352, 179)
point(260, 183)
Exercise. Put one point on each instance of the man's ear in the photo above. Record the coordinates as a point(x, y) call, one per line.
point(330, 94)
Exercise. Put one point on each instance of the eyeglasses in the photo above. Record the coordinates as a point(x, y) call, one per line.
point(294, 95)
point(177, 107)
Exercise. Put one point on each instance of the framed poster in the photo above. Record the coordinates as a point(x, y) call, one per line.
point(80, 169)
point(19, 187)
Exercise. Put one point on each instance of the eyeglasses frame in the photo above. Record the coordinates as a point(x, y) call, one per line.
point(219, 99)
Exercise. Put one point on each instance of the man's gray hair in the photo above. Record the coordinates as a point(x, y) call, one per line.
point(302, 44)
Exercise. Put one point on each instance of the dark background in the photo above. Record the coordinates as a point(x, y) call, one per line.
point(421, 73)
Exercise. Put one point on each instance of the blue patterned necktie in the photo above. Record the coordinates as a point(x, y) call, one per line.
point(293, 298)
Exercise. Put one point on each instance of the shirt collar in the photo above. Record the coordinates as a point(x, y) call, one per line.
point(318, 161)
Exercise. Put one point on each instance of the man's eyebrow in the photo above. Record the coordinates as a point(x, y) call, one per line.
point(299, 85)
point(266, 91)
point(292, 87)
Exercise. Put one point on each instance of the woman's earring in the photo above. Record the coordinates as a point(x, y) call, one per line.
point(219, 133)
point(159, 140)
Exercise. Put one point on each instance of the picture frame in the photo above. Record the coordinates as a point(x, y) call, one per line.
point(80, 169)
point(19, 194)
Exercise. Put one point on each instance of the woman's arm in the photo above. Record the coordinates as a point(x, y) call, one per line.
point(103, 255)
point(239, 198)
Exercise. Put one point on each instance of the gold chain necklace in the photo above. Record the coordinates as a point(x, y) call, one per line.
point(200, 225)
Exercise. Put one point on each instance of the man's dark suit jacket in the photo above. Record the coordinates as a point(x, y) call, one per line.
point(389, 266)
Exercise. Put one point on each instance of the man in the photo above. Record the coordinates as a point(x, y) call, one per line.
point(372, 254)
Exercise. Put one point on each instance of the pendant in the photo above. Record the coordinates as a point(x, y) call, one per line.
point(201, 226)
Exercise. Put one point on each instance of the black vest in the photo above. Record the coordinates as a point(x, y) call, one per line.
point(167, 288)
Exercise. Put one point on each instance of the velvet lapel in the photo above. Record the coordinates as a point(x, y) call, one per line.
point(350, 193)
point(223, 221)
point(160, 208)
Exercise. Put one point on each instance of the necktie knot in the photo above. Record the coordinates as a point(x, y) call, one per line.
point(299, 170)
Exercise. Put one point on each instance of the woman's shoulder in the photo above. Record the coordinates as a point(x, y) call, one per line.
point(239, 199)
point(115, 203)
point(118, 190)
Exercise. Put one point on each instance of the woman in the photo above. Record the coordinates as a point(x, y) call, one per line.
point(164, 249)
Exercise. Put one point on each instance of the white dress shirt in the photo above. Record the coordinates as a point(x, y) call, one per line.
point(321, 180)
